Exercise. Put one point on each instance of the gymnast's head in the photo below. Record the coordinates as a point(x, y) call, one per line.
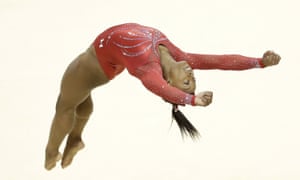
point(179, 75)
point(182, 77)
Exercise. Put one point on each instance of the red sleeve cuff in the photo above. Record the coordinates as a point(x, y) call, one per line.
point(260, 62)
point(193, 103)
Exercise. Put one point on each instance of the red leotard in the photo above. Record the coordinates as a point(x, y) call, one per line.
point(135, 47)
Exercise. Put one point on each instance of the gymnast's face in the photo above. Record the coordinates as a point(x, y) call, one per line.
point(182, 77)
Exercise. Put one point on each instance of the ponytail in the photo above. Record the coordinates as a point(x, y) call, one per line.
point(186, 128)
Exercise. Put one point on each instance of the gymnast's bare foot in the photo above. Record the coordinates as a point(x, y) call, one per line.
point(51, 160)
point(70, 151)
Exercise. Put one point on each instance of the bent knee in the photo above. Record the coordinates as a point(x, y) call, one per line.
point(85, 109)
point(84, 113)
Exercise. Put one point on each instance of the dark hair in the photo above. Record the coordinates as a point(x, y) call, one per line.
point(186, 128)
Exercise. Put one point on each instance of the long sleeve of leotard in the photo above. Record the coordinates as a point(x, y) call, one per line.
point(224, 62)
point(206, 61)
point(151, 77)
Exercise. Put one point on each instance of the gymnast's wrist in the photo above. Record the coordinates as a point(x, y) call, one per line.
point(193, 100)
point(260, 63)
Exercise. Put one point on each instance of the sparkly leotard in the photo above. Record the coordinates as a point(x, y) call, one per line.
point(135, 47)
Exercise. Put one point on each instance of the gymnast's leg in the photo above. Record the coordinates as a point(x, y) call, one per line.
point(74, 142)
point(82, 75)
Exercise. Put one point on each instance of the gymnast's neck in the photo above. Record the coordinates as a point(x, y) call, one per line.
point(166, 60)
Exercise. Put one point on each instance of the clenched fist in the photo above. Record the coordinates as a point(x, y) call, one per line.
point(270, 58)
point(204, 98)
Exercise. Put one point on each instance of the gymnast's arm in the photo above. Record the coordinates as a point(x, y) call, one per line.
point(152, 78)
point(224, 62)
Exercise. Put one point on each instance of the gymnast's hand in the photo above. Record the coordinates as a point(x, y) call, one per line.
point(204, 98)
point(270, 58)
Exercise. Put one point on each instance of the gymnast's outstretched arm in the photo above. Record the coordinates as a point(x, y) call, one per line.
point(224, 62)
point(231, 62)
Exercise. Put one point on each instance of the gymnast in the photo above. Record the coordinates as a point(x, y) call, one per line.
point(148, 55)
